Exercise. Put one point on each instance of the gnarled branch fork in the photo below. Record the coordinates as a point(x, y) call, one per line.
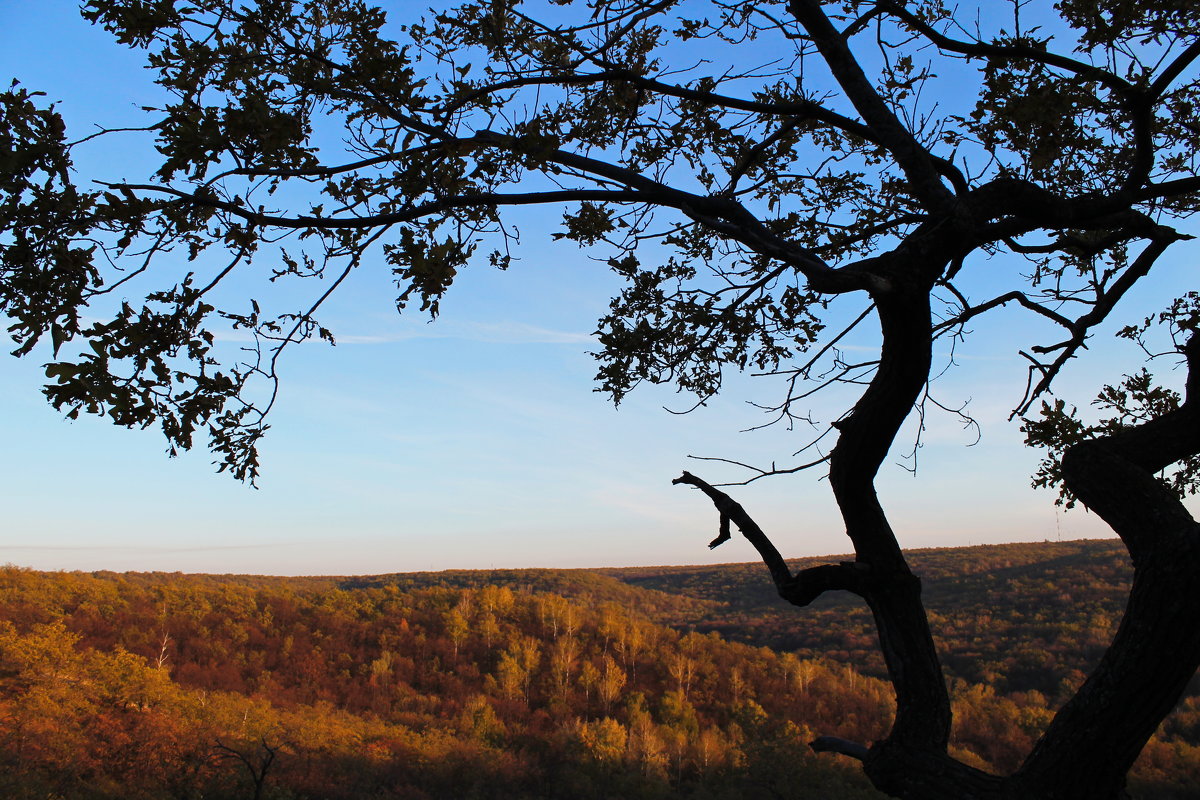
point(1093, 741)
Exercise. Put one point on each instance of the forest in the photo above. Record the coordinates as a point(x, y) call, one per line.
point(655, 682)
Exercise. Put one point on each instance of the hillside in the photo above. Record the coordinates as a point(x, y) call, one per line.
point(1020, 617)
point(647, 682)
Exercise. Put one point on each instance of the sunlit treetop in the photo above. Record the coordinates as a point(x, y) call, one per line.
point(738, 164)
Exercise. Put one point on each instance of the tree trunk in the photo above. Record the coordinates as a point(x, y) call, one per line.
point(890, 589)
point(1095, 738)
point(1093, 741)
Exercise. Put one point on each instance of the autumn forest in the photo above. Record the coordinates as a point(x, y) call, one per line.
point(637, 683)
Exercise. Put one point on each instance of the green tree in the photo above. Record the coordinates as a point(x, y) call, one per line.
point(612, 680)
point(604, 739)
point(770, 191)
point(457, 628)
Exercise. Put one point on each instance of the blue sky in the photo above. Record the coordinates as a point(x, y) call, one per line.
point(475, 441)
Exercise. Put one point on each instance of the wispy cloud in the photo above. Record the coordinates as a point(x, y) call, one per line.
point(491, 332)
point(488, 332)
point(637, 501)
point(100, 548)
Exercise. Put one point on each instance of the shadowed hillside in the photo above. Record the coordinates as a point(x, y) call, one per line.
point(526, 683)
point(1018, 616)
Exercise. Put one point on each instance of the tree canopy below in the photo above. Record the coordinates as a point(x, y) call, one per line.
point(501, 683)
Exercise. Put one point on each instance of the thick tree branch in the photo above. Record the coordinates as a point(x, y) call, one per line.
point(1097, 735)
point(914, 160)
point(1071, 243)
point(1141, 114)
point(1173, 70)
point(1021, 206)
point(923, 714)
point(1176, 188)
point(845, 747)
point(1160, 442)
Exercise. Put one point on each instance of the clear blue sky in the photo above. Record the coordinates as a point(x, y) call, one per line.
point(475, 441)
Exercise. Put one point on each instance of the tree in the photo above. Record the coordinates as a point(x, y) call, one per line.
point(257, 764)
point(737, 202)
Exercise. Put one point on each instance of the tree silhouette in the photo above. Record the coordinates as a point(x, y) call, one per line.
point(256, 763)
point(766, 158)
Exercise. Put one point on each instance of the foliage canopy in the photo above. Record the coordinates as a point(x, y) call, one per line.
point(758, 193)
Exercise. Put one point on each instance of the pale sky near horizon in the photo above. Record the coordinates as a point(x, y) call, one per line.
point(477, 441)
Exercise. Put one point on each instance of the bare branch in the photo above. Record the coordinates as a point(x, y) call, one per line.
point(1021, 298)
point(1081, 327)
point(801, 589)
point(762, 473)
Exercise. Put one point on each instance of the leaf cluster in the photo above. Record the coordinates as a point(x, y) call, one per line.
point(1137, 399)
point(46, 269)
point(732, 195)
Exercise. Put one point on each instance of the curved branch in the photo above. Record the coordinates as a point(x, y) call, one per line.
point(1020, 297)
point(731, 510)
point(1067, 242)
point(1156, 650)
point(800, 589)
point(1174, 70)
point(1082, 326)
point(1158, 443)
point(1141, 112)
